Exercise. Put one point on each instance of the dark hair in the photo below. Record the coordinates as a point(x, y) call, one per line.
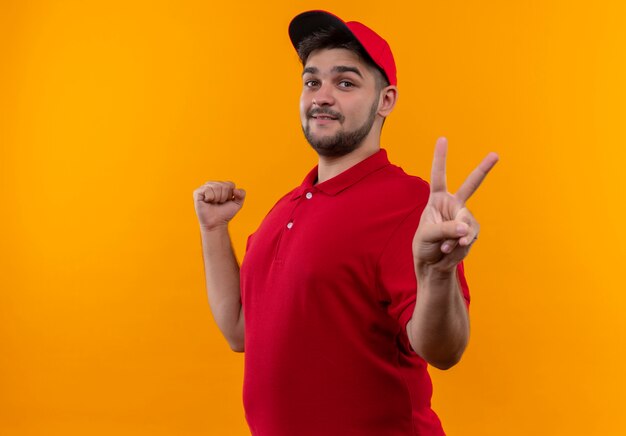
point(338, 38)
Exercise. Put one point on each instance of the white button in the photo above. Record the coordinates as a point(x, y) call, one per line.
point(289, 225)
point(309, 195)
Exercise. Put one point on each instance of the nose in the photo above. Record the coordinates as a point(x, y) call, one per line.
point(324, 95)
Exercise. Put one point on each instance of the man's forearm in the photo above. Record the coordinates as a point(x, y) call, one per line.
point(439, 328)
point(222, 281)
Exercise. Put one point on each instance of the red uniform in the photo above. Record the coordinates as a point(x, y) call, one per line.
point(328, 286)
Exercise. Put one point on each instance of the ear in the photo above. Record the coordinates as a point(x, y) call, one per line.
point(388, 98)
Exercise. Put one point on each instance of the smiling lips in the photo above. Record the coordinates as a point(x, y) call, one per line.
point(324, 116)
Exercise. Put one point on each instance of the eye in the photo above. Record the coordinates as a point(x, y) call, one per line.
point(311, 83)
point(346, 84)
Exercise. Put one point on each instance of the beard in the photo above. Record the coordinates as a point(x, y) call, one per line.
point(342, 142)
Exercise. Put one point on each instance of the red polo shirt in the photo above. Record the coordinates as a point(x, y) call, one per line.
point(328, 286)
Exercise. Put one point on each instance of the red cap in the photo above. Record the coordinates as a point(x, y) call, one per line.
point(376, 47)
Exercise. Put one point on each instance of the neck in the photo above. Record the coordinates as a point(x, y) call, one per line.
point(329, 167)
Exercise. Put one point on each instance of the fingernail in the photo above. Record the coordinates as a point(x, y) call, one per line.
point(445, 248)
point(461, 229)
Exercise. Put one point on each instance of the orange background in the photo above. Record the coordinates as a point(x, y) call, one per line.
point(112, 113)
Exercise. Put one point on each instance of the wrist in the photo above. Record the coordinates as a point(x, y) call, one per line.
point(433, 273)
point(214, 228)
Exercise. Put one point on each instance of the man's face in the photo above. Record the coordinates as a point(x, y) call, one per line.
point(339, 101)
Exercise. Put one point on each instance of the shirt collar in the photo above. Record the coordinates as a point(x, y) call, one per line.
point(345, 179)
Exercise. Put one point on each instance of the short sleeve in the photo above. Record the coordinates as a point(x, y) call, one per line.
point(249, 240)
point(396, 276)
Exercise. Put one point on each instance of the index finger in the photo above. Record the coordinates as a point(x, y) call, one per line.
point(438, 172)
point(476, 177)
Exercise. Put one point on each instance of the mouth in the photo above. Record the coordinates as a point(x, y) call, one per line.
point(325, 116)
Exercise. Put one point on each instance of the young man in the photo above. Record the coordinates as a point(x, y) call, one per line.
point(338, 333)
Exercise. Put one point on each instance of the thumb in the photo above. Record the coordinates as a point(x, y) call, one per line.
point(436, 232)
point(239, 195)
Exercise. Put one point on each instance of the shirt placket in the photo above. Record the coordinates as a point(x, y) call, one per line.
point(291, 224)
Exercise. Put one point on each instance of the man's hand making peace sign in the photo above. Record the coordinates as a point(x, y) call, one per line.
point(439, 328)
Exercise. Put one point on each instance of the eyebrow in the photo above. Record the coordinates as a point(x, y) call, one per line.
point(345, 69)
point(336, 69)
point(311, 70)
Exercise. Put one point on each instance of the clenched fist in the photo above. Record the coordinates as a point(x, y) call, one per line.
point(217, 203)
